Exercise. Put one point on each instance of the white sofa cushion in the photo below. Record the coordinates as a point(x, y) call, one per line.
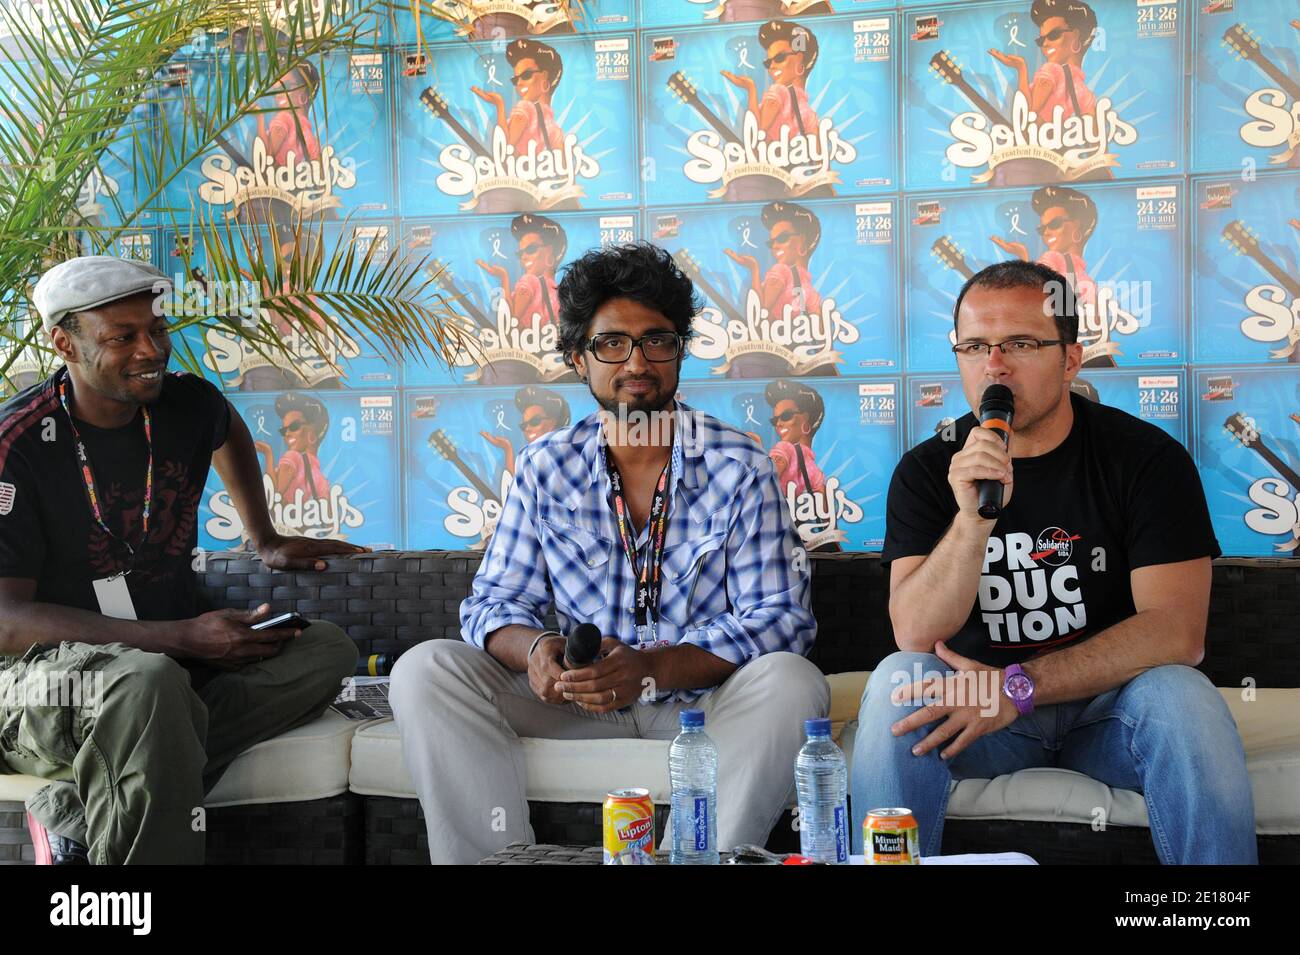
point(309, 762)
point(584, 770)
point(559, 770)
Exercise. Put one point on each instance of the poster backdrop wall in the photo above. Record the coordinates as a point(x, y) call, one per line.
point(828, 174)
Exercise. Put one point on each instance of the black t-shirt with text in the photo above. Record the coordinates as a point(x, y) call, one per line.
point(47, 530)
point(1117, 494)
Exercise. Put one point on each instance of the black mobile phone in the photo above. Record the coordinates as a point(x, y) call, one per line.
point(282, 620)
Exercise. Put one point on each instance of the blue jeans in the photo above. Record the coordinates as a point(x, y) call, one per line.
point(1167, 733)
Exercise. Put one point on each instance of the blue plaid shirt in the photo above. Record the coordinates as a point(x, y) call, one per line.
point(735, 580)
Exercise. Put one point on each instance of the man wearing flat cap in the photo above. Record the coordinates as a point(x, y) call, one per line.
point(112, 685)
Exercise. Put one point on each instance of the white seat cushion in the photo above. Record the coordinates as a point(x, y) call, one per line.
point(559, 770)
point(18, 788)
point(584, 770)
point(309, 762)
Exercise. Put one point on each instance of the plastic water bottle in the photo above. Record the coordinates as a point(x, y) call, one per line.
point(693, 769)
point(822, 779)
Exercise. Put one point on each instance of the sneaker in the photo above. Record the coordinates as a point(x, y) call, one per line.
point(55, 850)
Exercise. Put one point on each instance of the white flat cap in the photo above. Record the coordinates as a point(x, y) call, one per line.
point(89, 281)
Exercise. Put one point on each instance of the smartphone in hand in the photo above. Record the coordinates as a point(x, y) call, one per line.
point(282, 621)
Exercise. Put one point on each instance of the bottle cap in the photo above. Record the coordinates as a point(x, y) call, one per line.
point(692, 718)
point(818, 727)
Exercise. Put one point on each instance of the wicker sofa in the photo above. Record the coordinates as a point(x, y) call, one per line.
point(336, 792)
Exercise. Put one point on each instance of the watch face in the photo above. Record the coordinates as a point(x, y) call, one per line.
point(1019, 686)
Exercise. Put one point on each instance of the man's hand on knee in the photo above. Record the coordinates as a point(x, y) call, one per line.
point(970, 703)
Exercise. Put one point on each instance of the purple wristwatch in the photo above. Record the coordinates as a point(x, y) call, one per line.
point(1019, 687)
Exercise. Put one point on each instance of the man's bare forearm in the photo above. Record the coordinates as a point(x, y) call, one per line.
point(687, 667)
point(509, 645)
point(1112, 658)
point(933, 601)
point(26, 625)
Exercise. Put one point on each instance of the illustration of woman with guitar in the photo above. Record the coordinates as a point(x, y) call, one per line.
point(278, 376)
point(793, 235)
point(287, 131)
point(791, 53)
point(1066, 220)
point(797, 414)
point(738, 11)
point(541, 246)
point(304, 420)
point(1066, 29)
point(541, 412)
point(537, 70)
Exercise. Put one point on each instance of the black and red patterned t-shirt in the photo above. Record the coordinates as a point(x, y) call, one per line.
point(47, 531)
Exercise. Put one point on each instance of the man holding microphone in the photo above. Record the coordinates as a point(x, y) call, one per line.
point(1080, 604)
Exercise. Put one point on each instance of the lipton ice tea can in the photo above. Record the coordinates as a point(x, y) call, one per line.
point(890, 837)
point(629, 828)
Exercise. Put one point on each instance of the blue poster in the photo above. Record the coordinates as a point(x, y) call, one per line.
point(430, 21)
point(1246, 86)
point(1121, 246)
point(657, 13)
point(1049, 91)
point(833, 442)
point(499, 275)
point(790, 288)
point(459, 450)
point(936, 401)
point(283, 161)
point(329, 469)
point(317, 358)
point(1246, 272)
point(787, 109)
point(523, 126)
point(1248, 451)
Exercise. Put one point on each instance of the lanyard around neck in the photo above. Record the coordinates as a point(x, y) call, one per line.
point(89, 477)
point(647, 574)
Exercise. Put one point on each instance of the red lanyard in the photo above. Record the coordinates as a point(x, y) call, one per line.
point(89, 477)
point(647, 575)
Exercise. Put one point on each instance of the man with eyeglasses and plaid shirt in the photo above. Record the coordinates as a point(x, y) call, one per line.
point(644, 490)
point(1065, 631)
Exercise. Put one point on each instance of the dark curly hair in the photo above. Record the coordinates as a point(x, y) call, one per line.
point(1019, 274)
point(639, 271)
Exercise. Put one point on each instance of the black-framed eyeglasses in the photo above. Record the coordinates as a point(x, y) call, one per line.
point(524, 76)
point(1051, 225)
point(781, 239)
point(292, 428)
point(535, 421)
point(786, 415)
point(779, 58)
point(1012, 348)
point(530, 249)
point(1053, 36)
point(614, 347)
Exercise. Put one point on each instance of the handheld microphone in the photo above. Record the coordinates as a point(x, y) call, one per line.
point(996, 410)
point(581, 646)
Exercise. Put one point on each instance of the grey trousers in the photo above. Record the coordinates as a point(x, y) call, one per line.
point(461, 715)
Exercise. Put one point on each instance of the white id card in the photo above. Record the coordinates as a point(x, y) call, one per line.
point(114, 598)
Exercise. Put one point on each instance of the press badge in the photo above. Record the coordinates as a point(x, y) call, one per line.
point(114, 598)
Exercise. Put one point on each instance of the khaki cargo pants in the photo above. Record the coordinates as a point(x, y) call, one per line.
point(133, 740)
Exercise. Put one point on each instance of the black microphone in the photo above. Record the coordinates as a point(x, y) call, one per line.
point(581, 646)
point(996, 410)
